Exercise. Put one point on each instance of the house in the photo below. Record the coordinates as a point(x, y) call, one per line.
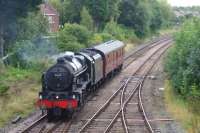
point(52, 16)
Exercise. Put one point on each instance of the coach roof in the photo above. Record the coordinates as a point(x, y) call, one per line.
point(109, 46)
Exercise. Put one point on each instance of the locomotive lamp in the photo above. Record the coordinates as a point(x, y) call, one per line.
point(73, 96)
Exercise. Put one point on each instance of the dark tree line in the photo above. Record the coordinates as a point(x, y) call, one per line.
point(144, 16)
point(10, 12)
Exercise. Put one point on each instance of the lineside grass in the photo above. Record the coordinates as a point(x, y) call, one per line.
point(171, 30)
point(130, 46)
point(21, 93)
point(180, 109)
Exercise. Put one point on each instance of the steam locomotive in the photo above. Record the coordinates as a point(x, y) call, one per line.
point(66, 84)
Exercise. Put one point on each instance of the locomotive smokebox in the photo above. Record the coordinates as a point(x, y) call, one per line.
point(59, 77)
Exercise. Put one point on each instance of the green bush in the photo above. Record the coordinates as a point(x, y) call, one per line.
point(120, 32)
point(71, 46)
point(106, 37)
point(183, 62)
point(115, 30)
point(11, 74)
point(129, 34)
point(98, 38)
point(73, 37)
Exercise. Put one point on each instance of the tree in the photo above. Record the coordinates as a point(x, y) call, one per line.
point(115, 30)
point(32, 26)
point(183, 63)
point(29, 41)
point(113, 6)
point(167, 13)
point(135, 14)
point(73, 37)
point(102, 11)
point(11, 10)
point(72, 9)
point(157, 18)
point(69, 10)
point(86, 19)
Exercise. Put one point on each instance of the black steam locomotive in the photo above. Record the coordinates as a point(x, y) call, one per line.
point(65, 84)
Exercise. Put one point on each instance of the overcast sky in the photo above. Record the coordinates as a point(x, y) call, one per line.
point(184, 2)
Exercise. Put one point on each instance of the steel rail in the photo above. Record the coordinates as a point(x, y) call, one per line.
point(103, 107)
point(53, 127)
point(67, 125)
point(151, 46)
point(34, 124)
point(120, 110)
point(140, 95)
point(109, 100)
point(135, 89)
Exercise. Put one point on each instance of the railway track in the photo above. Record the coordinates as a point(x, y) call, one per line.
point(42, 126)
point(93, 124)
point(132, 56)
point(36, 124)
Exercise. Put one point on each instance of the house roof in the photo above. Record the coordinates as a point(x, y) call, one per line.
point(48, 9)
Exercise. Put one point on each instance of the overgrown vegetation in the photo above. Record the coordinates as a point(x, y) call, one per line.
point(24, 37)
point(181, 110)
point(18, 92)
point(183, 60)
point(95, 22)
point(11, 13)
point(183, 63)
point(73, 37)
point(110, 19)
